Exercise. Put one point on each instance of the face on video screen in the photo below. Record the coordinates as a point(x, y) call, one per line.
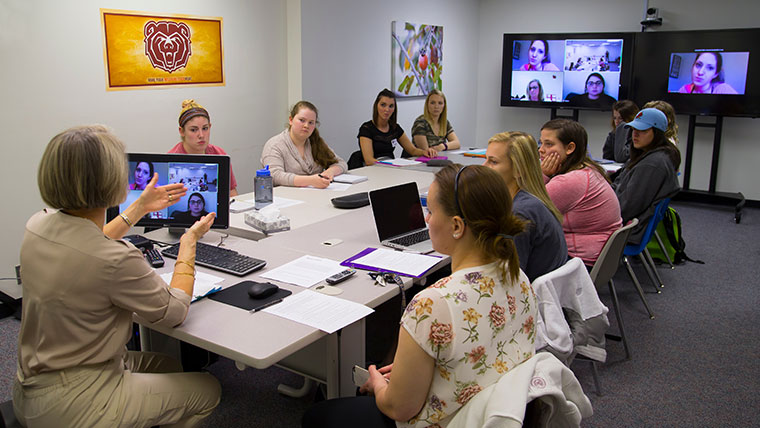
point(705, 69)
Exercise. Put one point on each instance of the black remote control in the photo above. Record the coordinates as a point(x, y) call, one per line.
point(153, 256)
point(341, 276)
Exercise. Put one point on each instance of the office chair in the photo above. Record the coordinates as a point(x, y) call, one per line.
point(7, 417)
point(605, 268)
point(356, 160)
point(640, 250)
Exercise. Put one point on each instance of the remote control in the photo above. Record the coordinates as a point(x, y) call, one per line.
point(341, 276)
point(153, 256)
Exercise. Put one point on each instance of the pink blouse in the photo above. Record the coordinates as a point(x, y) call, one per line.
point(590, 208)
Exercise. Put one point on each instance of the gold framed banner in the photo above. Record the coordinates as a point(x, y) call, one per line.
point(148, 51)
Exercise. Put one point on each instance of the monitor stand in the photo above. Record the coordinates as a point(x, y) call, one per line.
point(176, 231)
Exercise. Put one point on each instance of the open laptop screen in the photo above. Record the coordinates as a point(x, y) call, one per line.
point(397, 210)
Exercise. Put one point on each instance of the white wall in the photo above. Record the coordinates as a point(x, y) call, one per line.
point(52, 77)
point(740, 152)
point(346, 54)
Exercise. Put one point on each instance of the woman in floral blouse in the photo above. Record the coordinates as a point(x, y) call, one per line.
point(462, 333)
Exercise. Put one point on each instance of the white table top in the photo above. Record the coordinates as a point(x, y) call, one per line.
point(317, 205)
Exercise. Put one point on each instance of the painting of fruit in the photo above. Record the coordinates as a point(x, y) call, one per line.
point(416, 58)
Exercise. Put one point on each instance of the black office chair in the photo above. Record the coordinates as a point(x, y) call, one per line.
point(7, 417)
point(356, 160)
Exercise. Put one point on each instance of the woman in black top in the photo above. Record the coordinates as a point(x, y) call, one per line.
point(196, 208)
point(378, 136)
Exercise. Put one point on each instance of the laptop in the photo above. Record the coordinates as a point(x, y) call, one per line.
point(399, 219)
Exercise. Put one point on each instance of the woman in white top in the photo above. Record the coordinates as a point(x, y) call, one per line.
point(299, 156)
point(462, 333)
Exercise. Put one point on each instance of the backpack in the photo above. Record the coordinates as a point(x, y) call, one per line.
point(671, 233)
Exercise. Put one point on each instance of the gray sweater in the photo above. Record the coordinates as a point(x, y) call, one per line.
point(541, 246)
point(285, 163)
point(638, 189)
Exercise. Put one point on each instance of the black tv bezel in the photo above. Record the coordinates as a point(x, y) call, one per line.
point(506, 67)
point(222, 220)
point(651, 63)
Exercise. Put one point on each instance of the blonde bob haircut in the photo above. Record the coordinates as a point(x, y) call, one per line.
point(522, 151)
point(442, 120)
point(83, 168)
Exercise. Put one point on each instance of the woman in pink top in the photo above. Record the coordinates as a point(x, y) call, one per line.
point(195, 130)
point(579, 188)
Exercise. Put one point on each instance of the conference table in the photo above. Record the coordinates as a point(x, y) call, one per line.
point(260, 339)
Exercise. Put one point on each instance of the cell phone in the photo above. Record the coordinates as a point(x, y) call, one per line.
point(360, 375)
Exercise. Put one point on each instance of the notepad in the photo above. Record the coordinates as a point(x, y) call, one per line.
point(399, 162)
point(380, 259)
point(478, 153)
point(427, 159)
point(349, 178)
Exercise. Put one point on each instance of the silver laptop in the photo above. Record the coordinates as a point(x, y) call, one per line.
point(399, 219)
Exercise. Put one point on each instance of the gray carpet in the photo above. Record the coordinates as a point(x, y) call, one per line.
point(694, 365)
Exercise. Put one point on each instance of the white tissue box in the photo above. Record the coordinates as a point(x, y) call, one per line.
point(255, 219)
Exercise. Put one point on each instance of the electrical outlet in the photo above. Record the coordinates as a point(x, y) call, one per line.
point(18, 274)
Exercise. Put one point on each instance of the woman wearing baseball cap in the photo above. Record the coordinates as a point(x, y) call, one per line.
point(649, 176)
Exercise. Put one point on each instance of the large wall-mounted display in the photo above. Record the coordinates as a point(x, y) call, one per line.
point(709, 72)
point(588, 70)
point(706, 72)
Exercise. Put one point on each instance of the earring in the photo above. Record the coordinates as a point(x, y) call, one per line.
point(455, 236)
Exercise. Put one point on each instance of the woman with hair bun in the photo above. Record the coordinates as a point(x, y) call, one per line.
point(462, 333)
point(195, 130)
point(299, 156)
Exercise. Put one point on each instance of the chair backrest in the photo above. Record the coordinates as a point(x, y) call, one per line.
point(609, 258)
point(356, 160)
point(659, 212)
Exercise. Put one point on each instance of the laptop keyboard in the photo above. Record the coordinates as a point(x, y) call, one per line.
point(411, 239)
point(221, 259)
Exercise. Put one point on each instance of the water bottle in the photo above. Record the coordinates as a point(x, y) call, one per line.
point(262, 188)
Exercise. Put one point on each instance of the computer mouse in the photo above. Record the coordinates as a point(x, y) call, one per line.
point(262, 290)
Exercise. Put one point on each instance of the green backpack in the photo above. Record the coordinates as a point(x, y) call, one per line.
point(671, 233)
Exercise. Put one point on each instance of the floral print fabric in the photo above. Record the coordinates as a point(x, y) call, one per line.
point(476, 328)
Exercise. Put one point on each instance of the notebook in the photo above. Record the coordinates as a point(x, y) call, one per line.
point(399, 219)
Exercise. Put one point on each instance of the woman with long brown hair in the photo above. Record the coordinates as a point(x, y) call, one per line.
point(299, 156)
point(579, 188)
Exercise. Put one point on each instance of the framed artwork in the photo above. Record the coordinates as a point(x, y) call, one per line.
point(147, 51)
point(416, 58)
point(675, 66)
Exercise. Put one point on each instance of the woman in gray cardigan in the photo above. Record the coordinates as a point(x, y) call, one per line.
point(298, 156)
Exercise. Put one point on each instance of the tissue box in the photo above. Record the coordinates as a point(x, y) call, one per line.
point(255, 219)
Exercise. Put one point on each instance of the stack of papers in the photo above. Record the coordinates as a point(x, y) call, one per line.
point(304, 271)
point(205, 284)
point(381, 259)
point(349, 178)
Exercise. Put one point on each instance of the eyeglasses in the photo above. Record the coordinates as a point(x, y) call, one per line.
point(196, 202)
point(595, 83)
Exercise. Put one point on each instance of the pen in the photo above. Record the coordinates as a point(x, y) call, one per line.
point(272, 303)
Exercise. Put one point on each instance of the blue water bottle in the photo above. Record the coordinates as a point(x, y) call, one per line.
point(262, 188)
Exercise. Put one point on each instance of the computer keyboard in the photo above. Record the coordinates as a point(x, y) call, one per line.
point(414, 238)
point(219, 258)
